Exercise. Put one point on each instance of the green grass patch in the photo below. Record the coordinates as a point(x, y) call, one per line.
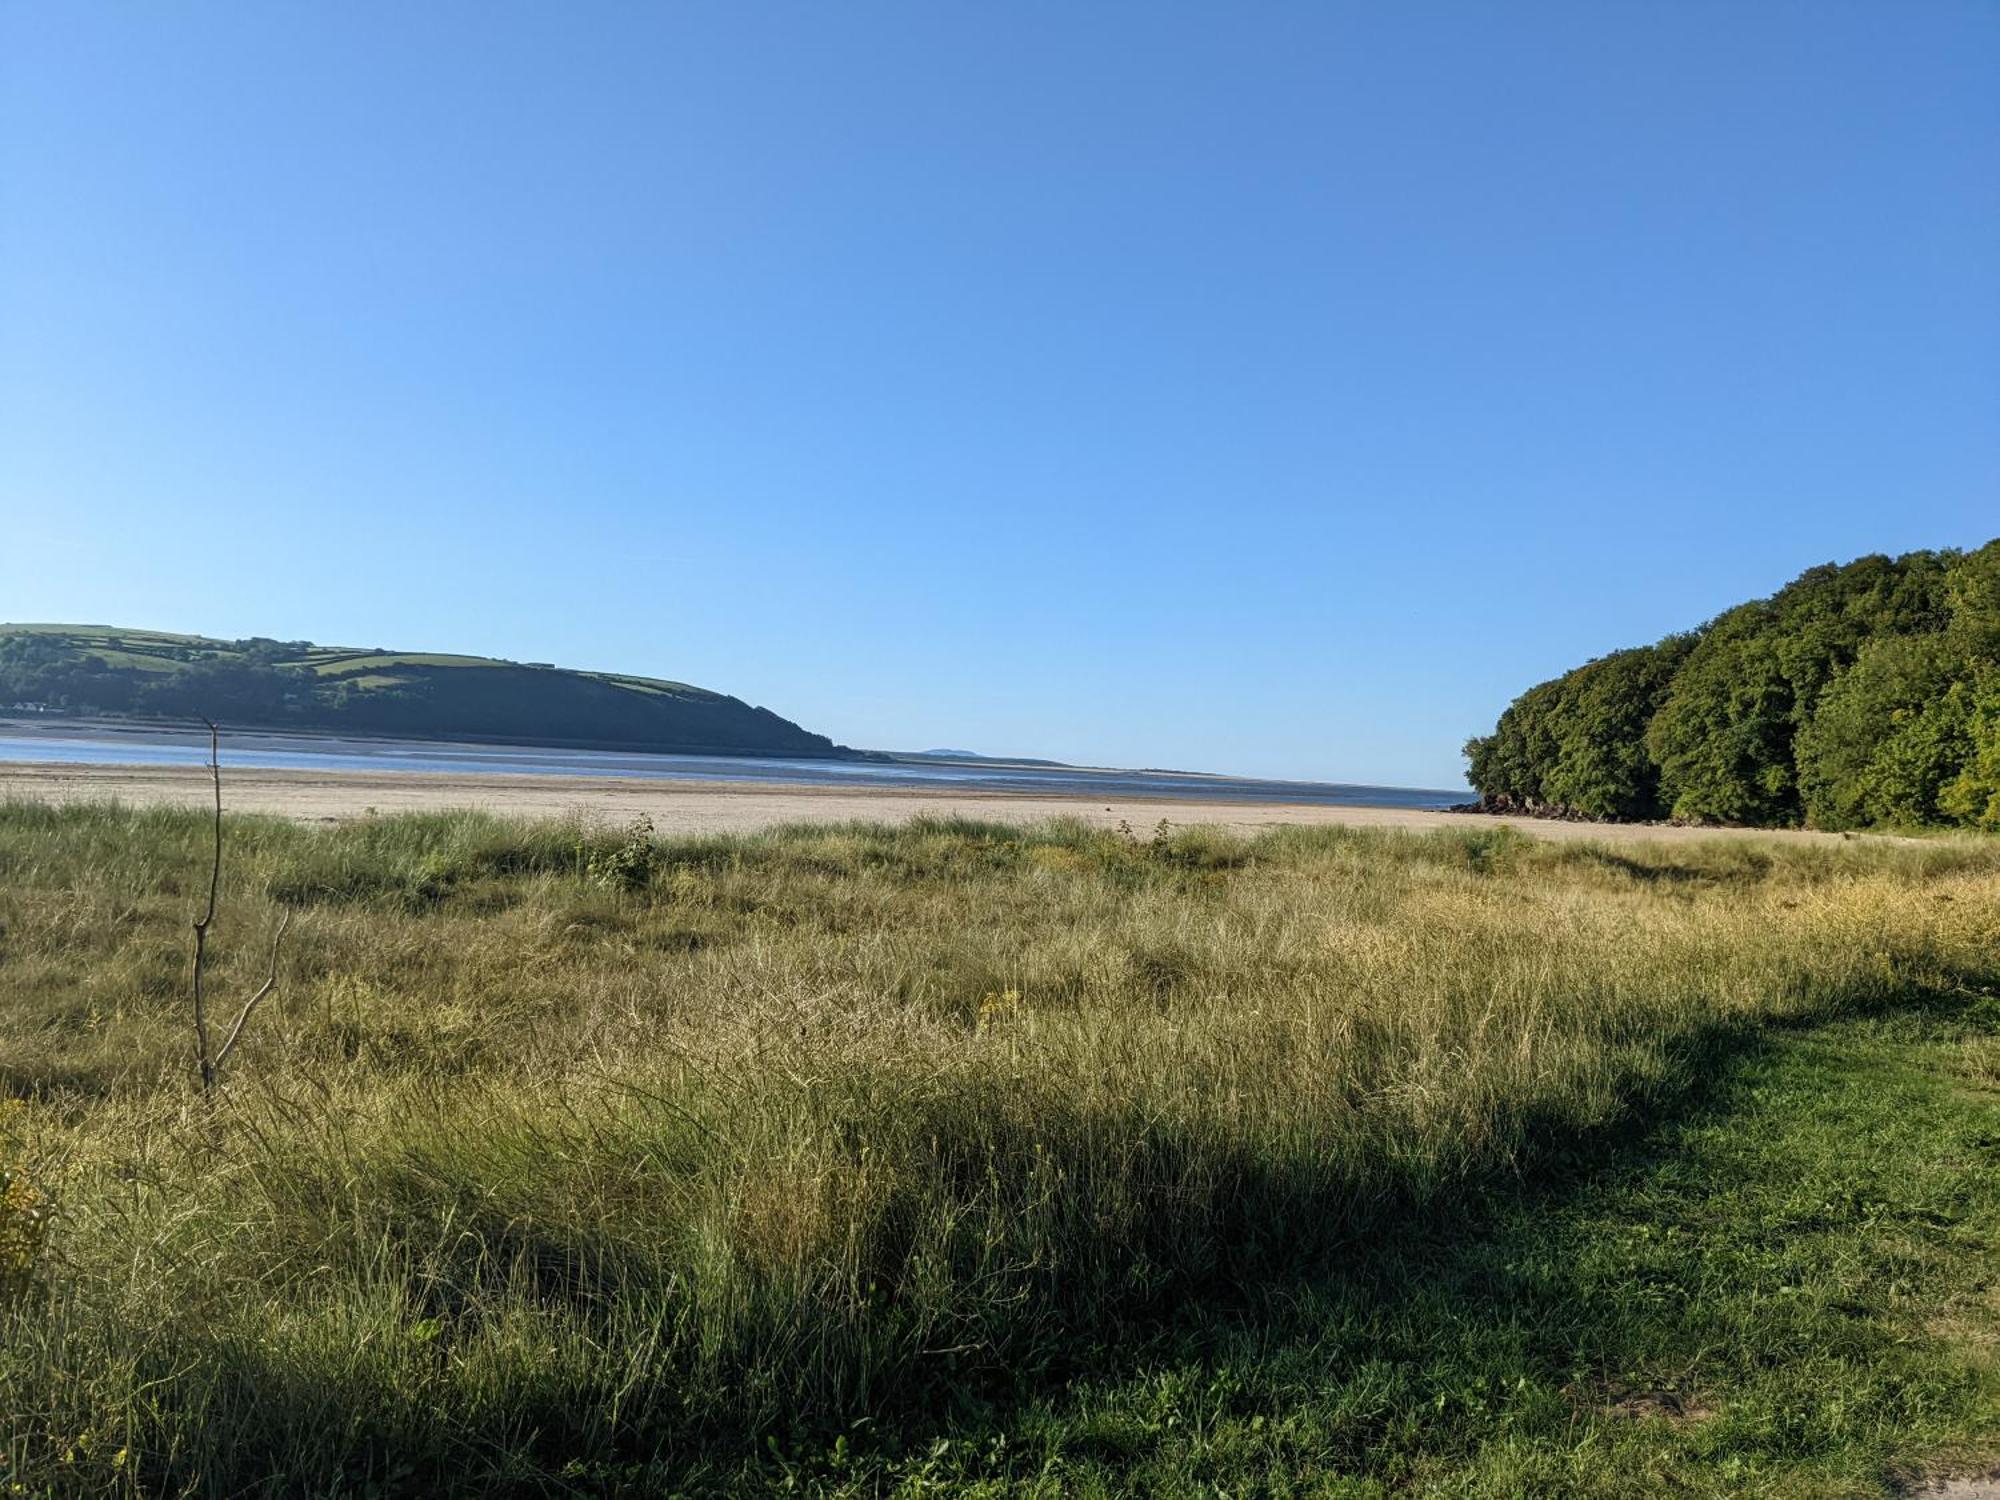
point(379, 661)
point(1783, 1282)
point(961, 1157)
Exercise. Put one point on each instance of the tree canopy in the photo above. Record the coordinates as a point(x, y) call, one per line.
point(1857, 696)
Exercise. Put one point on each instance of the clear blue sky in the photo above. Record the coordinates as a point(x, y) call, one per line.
point(1268, 388)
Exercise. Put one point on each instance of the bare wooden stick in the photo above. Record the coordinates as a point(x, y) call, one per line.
point(207, 918)
point(270, 983)
point(209, 1060)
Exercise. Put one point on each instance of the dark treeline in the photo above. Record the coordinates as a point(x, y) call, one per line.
point(243, 681)
point(1859, 695)
point(266, 684)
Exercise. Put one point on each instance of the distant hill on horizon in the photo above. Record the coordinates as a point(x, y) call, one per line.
point(974, 755)
point(269, 684)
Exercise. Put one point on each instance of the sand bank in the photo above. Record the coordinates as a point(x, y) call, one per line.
point(720, 806)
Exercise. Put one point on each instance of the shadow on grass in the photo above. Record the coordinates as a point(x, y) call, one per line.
point(1405, 1313)
point(1452, 1319)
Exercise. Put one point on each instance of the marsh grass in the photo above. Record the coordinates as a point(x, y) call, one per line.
point(573, 1157)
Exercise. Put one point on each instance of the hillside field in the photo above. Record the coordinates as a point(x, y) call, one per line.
point(965, 1158)
point(262, 683)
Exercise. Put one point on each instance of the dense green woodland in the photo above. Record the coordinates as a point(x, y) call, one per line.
point(90, 669)
point(1857, 696)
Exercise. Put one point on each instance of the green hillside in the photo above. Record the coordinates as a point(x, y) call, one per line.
point(1857, 696)
point(261, 683)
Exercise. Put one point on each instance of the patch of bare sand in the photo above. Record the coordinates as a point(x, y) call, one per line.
point(729, 807)
point(1969, 1487)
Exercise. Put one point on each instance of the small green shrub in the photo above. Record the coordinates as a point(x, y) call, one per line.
point(629, 866)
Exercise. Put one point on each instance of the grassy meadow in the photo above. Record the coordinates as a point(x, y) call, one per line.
point(959, 1158)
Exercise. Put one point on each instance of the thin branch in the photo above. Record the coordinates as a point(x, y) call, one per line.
point(215, 778)
point(207, 918)
point(270, 983)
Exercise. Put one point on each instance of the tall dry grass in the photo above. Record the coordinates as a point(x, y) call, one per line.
point(559, 1148)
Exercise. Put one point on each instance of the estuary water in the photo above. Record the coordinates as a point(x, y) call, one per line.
point(117, 745)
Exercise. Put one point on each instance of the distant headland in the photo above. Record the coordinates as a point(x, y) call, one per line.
point(151, 675)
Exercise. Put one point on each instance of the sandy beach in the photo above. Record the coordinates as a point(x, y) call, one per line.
point(721, 806)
